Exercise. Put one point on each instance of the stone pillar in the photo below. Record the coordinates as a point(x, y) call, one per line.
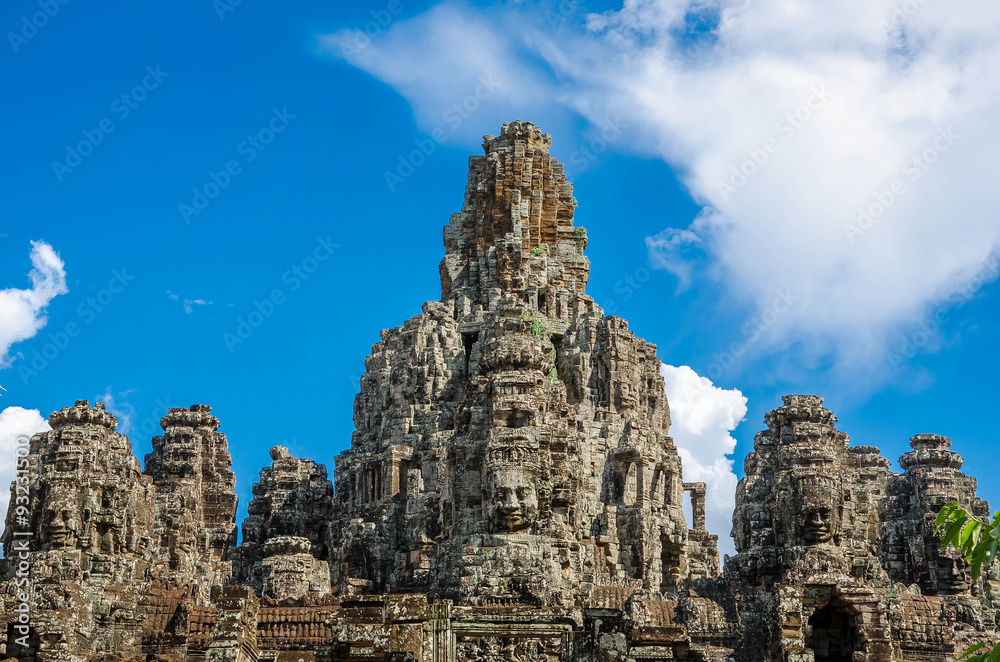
point(697, 491)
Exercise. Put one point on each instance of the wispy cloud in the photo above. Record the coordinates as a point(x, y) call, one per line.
point(189, 304)
point(790, 123)
point(120, 406)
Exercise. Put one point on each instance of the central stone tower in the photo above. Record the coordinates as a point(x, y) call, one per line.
point(512, 442)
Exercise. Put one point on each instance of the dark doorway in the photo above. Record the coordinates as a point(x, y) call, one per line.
point(831, 635)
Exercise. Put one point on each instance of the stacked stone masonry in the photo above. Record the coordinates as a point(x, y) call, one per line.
point(511, 492)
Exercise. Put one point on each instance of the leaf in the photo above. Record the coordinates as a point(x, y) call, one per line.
point(946, 512)
point(970, 535)
point(972, 649)
point(990, 551)
point(954, 531)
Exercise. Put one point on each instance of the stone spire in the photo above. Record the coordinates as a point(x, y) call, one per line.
point(195, 501)
point(512, 442)
point(92, 515)
point(288, 516)
point(932, 478)
point(515, 231)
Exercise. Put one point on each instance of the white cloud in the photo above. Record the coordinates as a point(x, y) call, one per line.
point(826, 105)
point(22, 312)
point(703, 416)
point(189, 304)
point(121, 408)
point(460, 66)
point(15, 422)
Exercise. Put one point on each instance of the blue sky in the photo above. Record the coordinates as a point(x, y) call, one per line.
point(289, 136)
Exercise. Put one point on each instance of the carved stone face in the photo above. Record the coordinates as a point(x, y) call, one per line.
point(815, 525)
point(952, 575)
point(816, 517)
point(59, 528)
point(512, 500)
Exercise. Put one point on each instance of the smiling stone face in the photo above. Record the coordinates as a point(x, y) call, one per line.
point(815, 525)
point(817, 499)
point(512, 504)
point(59, 528)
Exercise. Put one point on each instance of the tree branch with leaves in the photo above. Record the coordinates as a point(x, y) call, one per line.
point(978, 542)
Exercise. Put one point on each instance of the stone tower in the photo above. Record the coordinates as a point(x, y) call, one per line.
point(289, 516)
point(92, 516)
point(837, 555)
point(195, 501)
point(512, 442)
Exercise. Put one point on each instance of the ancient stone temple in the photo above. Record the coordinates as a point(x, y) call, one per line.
point(510, 493)
point(837, 555)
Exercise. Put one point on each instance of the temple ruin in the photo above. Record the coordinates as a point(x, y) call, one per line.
point(511, 493)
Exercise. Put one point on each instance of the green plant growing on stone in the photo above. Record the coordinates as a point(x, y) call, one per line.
point(977, 541)
point(538, 250)
point(554, 373)
point(537, 328)
point(574, 202)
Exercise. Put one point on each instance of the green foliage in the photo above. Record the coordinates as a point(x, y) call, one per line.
point(977, 541)
point(554, 373)
point(538, 250)
point(537, 328)
point(574, 203)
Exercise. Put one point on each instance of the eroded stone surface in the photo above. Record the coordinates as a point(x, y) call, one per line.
point(510, 493)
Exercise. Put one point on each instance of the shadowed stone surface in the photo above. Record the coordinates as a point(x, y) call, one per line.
point(511, 492)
